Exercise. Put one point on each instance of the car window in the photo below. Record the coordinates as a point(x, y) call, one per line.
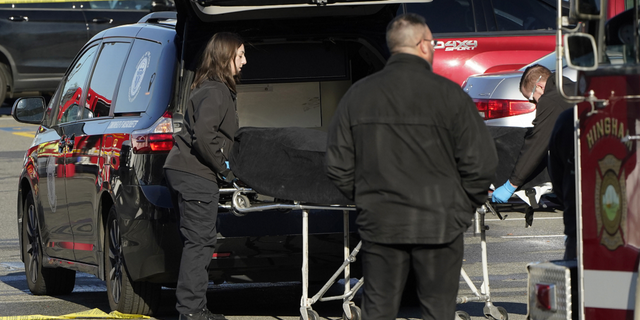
point(548, 61)
point(136, 86)
point(69, 105)
point(105, 78)
point(121, 5)
point(444, 16)
point(509, 15)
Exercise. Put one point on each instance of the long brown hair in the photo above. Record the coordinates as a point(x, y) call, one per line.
point(216, 60)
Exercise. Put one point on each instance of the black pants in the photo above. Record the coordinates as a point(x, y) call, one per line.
point(385, 270)
point(562, 172)
point(197, 200)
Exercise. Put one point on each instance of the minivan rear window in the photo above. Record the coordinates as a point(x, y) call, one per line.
point(138, 77)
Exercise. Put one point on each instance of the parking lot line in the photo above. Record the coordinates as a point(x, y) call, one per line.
point(24, 134)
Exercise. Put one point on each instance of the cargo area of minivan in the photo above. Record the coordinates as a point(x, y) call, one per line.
point(297, 68)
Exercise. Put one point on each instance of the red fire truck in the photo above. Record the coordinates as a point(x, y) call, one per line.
point(602, 282)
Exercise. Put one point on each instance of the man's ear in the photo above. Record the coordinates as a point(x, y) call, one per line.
point(542, 85)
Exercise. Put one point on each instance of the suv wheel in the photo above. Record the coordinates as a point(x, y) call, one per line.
point(41, 281)
point(125, 295)
point(4, 81)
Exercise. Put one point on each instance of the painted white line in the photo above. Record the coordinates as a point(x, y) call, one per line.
point(17, 300)
point(538, 236)
point(519, 219)
point(13, 265)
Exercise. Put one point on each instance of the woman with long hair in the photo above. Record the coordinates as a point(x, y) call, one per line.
point(197, 162)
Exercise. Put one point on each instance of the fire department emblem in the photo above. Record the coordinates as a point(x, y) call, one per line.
point(611, 203)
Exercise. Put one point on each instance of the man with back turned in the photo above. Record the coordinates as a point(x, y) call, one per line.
point(409, 147)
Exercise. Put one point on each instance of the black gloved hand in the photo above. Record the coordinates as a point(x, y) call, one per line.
point(228, 176)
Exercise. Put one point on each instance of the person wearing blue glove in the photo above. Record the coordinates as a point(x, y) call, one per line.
point(538, 85)
point(503, 193)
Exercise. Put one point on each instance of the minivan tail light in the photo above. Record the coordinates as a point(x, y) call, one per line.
point(498, 108)
point(156, 139)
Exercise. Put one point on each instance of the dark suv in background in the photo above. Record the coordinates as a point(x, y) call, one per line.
point(38, 39)
point(92, 196)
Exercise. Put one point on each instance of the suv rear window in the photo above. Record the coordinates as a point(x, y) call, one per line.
point(522, 15)
point(444, 16)
point(451, 16)
point(136, 84)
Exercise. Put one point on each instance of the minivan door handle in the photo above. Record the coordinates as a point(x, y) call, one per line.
point(102, 20)
point(19, 18)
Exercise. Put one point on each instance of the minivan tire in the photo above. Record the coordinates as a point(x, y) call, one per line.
point(41, 280)
point(125, 295)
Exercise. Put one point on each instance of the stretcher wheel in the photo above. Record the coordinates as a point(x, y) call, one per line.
point(356, 313)
point(240, 201)
point(312, 314)
point(461, 315)
point(503, 314)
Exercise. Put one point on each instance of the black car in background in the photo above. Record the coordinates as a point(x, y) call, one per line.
point(39, 39)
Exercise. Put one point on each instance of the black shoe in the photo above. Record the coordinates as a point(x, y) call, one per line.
point(203, 314)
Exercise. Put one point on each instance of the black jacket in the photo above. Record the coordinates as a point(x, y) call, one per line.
point(411, 149)
point(210, 122)
point(536, 144)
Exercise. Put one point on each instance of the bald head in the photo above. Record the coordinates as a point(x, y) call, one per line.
point(406, 32)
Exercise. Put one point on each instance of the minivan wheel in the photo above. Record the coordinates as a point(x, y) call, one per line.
point(125, 295)
point(41, 281)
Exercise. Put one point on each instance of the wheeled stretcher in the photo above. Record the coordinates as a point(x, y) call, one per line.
point(242, 200)
point(241, 203)
point(288, 163)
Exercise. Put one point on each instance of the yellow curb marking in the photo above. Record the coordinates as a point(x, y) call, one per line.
point(24, 134)
point(93, 314)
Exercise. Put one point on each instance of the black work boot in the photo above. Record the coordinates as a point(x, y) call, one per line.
point(203, 314)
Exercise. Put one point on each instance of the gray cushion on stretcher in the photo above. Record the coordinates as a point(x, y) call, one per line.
point(285, 163)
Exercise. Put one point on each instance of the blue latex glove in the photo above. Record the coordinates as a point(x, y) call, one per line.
point(502, 194)
point(227, 164)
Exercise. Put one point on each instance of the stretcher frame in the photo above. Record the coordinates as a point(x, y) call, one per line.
point(241, 205)
point(483, 294)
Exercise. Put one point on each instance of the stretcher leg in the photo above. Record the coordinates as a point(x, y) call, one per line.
point(350, 310)
point(484, 294)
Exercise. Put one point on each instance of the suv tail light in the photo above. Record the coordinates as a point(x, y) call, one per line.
point(496, 108)
point(156, 139)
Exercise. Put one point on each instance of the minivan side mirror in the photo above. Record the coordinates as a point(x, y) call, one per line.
point(580, 51)
point(28, 110)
